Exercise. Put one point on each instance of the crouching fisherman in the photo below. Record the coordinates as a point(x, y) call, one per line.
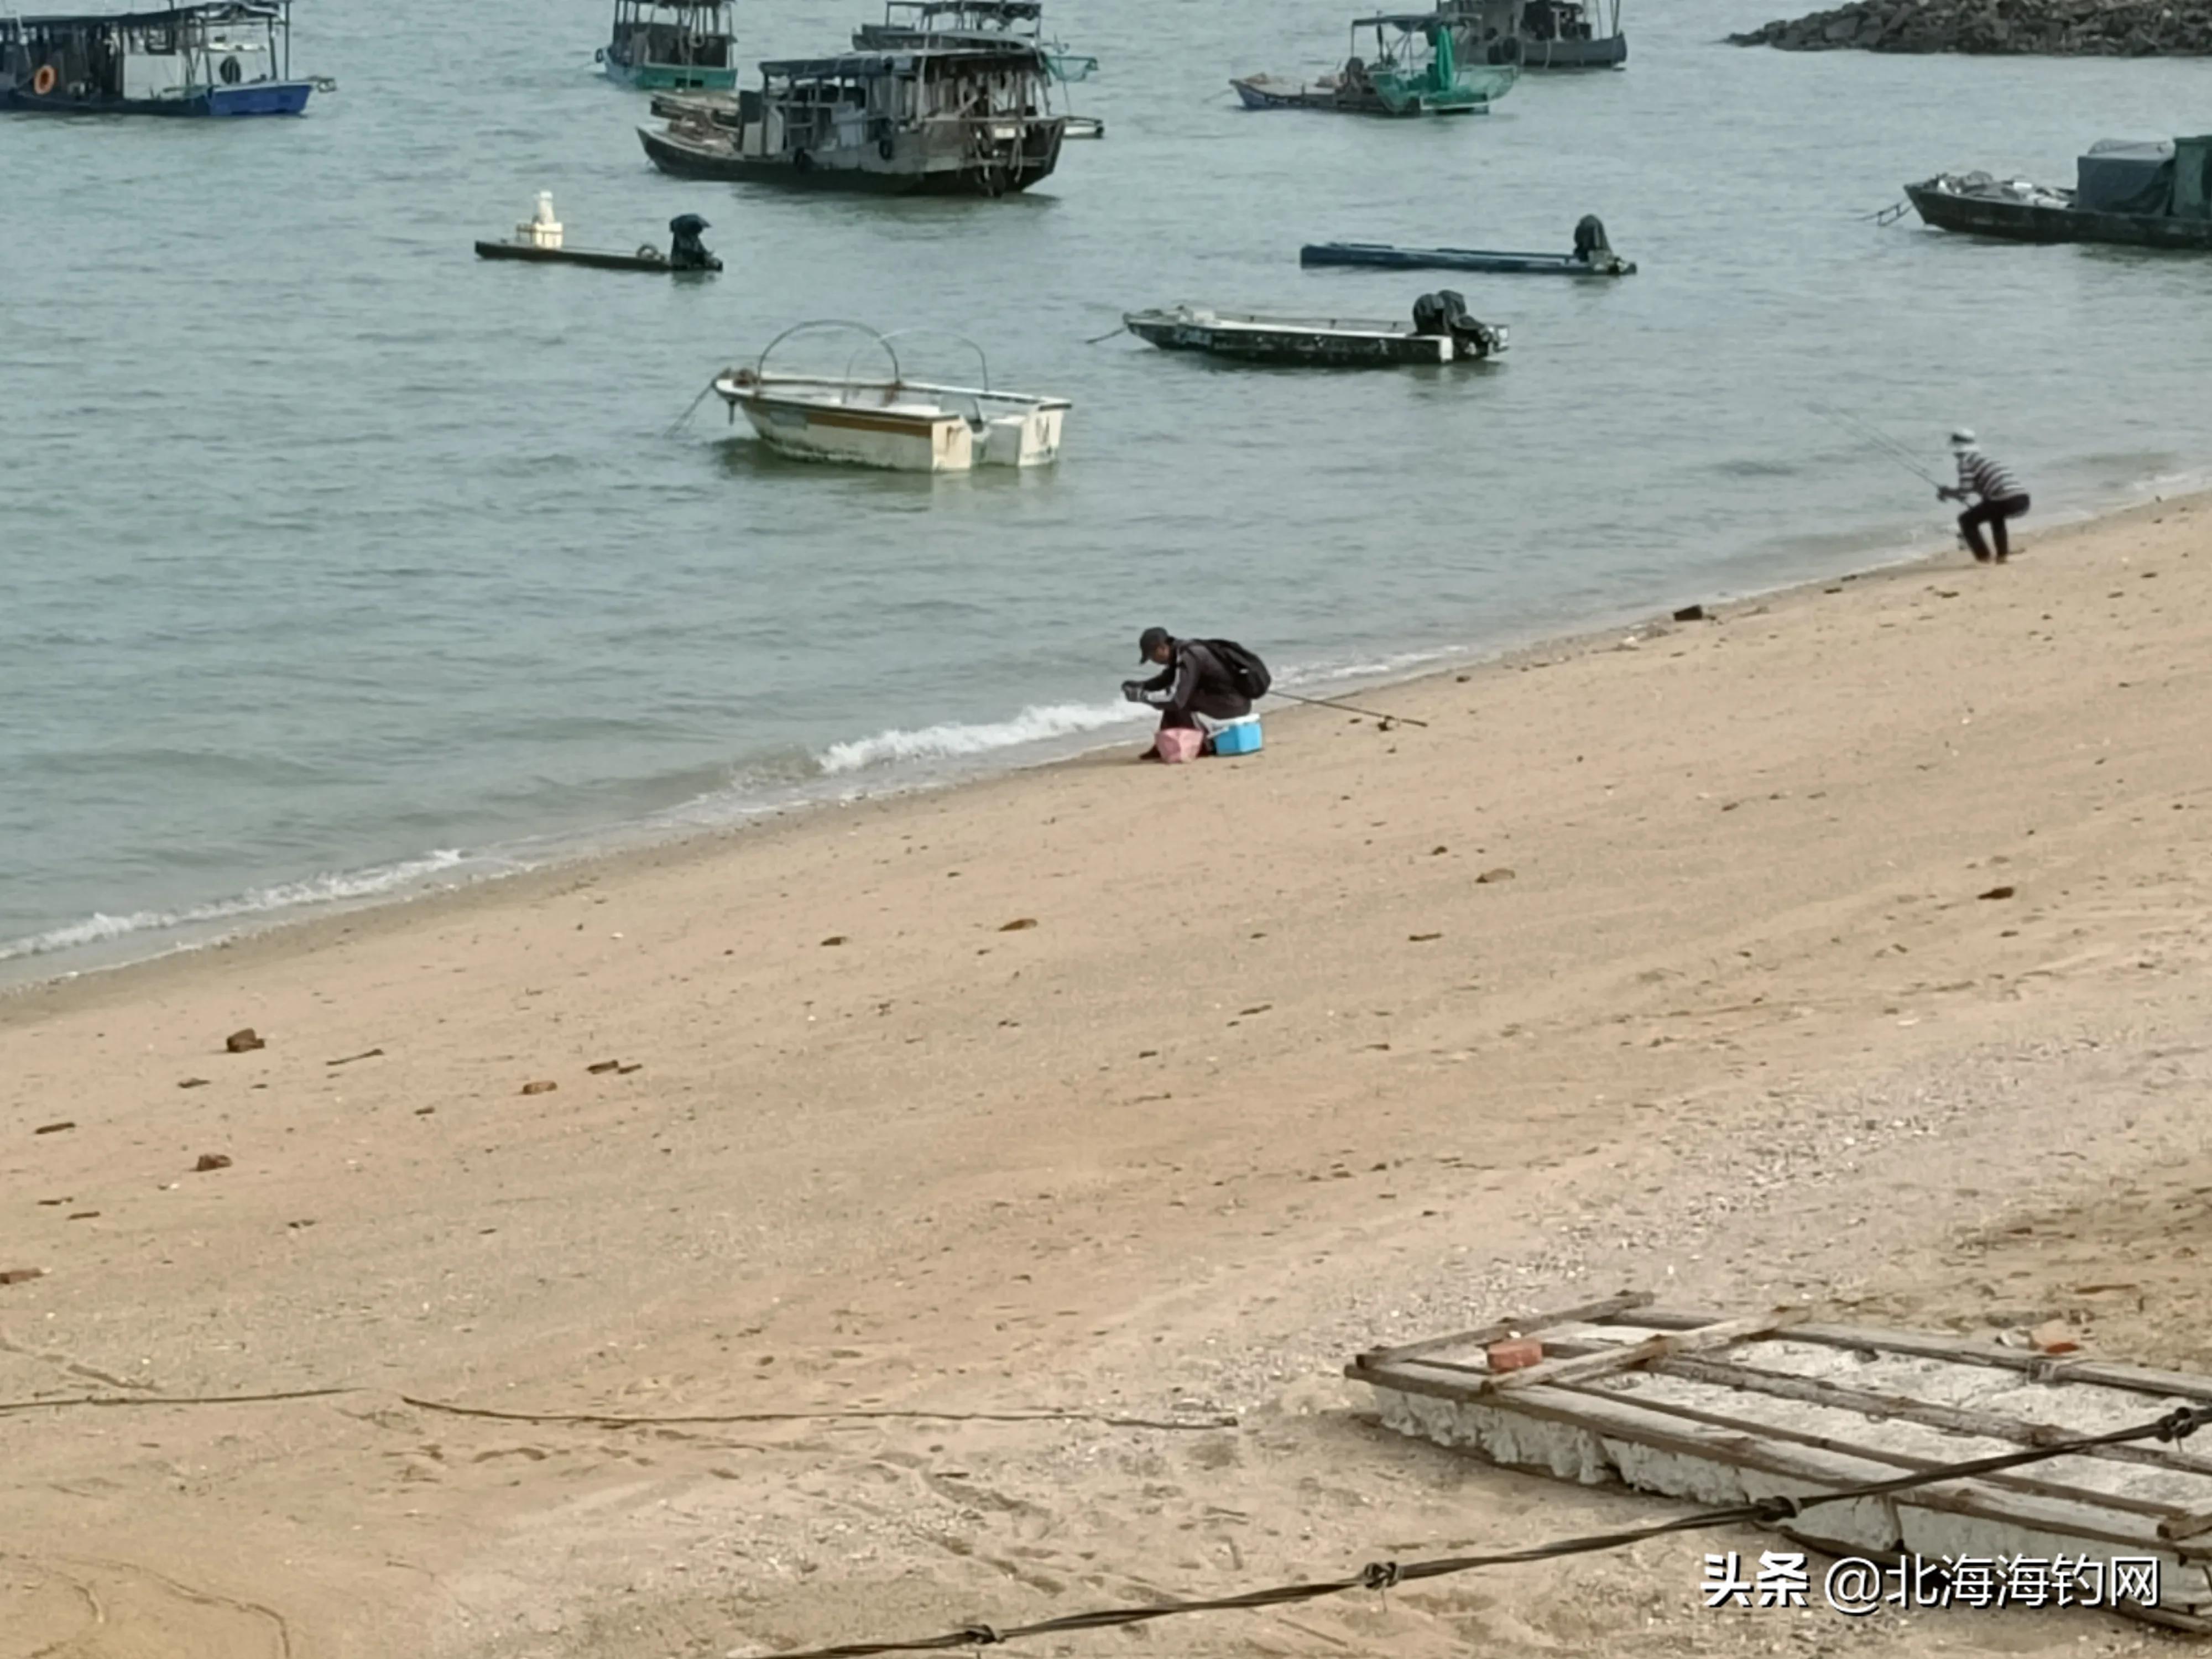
point(685, 251)
point(1203, 685)
point(2001, 497)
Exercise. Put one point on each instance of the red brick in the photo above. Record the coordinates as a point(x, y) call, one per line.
point(1515, 1354)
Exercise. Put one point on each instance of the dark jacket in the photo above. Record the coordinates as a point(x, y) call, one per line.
point(1195, 683)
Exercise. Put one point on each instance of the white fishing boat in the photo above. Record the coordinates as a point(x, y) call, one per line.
point(907, 425)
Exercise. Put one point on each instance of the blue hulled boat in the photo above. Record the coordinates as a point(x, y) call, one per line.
point(223, 58)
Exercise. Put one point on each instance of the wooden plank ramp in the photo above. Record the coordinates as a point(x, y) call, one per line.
point(1717, 1410)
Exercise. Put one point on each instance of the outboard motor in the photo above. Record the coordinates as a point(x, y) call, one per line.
point(1590, 245)
point(1445, 313)
point(685, 251)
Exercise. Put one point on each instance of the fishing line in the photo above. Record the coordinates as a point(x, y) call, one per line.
point(1874, 435)
point(1876, 438)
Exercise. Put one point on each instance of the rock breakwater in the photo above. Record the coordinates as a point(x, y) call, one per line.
point(2101, 28)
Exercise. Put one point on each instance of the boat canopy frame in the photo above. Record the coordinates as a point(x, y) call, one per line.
point(974, 25)
point(1406, 42)
point(970, 17)
point(913, 62)
point(875, 339)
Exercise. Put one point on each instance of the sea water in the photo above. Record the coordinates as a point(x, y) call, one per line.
point(334, 561)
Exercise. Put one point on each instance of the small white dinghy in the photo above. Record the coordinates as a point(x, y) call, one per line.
point(908, 426)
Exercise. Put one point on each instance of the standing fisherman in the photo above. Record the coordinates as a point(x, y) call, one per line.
point(2001, 497)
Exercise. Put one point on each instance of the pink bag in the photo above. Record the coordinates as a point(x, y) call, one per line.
point(1178, 742)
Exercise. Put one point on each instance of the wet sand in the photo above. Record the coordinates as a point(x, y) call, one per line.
point(1660, 959)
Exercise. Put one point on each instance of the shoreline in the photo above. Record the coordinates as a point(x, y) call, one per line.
point(1851, 950)
point(609, 847)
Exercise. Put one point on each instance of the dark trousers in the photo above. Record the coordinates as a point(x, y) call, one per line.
point(1993, 515)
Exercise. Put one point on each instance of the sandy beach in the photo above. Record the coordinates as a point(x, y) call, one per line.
point(1133, 1095)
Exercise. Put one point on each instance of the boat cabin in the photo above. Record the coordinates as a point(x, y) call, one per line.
point(1538, 34)
point(1411, 61)
point(672, 45)
point(971, 23)
point(811, 107)
point(957, 119)
point(228, 57)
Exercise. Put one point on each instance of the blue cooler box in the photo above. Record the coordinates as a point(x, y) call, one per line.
point(1240, 737)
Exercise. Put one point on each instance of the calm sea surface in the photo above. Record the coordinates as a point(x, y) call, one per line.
point(333, 560)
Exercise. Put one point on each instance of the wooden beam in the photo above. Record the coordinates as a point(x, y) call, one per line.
point(1620, 1417)
point(1576, 1368)
point(2186, 1526)
point(1907, 1461)
point(2043, 1368)
point(1988, 1426)
point(1587, 1313)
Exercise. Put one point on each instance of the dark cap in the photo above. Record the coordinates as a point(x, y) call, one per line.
point(1151, 640)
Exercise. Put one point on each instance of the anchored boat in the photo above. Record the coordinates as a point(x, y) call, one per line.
point(907, 426)
point(226, 57)
point(537, 240)
point(1538, 34)
point(1414, 70)
point(943, 121)
point(2136, 194)
point(1593, 257)
point(1440, 332)
point(663, 46)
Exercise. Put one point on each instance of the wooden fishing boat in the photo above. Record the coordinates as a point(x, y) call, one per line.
point(648, 258)
point(538, 240)
point(940, 121)
point(1538, 34)
point(671, 45)
point(903, 425)
point(2134, 195)
point(1440, 332)
point(226, 57)
point(1414, 70)
point(1593, 257)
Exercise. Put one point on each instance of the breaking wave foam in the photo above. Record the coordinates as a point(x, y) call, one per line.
point(1037, 724)
point(99, 927)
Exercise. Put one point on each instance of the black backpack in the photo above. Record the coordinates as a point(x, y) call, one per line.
point(1245, 670)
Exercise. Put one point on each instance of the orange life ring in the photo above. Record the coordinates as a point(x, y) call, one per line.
point(43, 82)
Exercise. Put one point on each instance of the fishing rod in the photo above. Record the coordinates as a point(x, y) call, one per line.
point(1349, 709)
point(1876, 439)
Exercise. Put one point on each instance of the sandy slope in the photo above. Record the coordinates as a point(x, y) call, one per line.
point(1287, 1064)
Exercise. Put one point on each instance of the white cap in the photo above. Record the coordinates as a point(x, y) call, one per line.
point(1962, 439)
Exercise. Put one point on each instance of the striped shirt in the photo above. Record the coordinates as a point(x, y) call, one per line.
point(1986, 478)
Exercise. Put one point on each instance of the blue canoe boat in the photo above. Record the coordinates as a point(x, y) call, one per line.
point(1593, 257)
